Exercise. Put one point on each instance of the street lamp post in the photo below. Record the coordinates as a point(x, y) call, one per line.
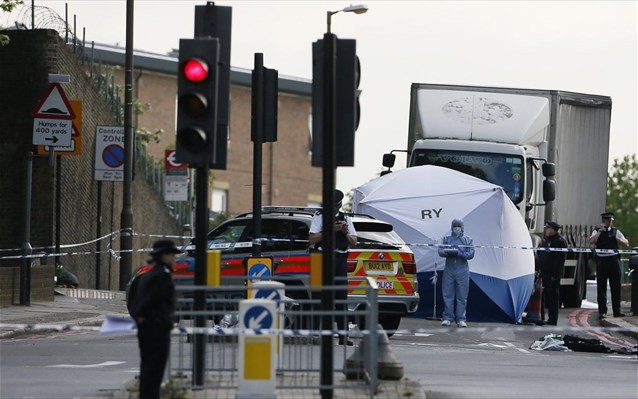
point(328, 205)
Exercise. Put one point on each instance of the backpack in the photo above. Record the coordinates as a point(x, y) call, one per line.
point(132, 286)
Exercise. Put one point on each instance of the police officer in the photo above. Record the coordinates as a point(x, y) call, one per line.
point(345, 237)
point(552, 264)
point(608, 264)
point(154, 311)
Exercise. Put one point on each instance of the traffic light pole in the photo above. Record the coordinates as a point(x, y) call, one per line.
point(328, 215)
point(201, 241)
point(257, 136)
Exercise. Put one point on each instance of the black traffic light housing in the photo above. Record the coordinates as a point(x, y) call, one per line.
point(347, 108)
point(197, 101)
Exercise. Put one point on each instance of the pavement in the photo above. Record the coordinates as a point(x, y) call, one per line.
point(86, 307)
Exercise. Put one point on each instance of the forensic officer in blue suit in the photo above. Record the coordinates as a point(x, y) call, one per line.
point(457, 249)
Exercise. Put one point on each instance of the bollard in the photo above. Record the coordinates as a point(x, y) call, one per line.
point(275, 291)
point(388, 366)
point(257, 352)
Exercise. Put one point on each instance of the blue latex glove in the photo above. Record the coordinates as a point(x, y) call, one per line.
point(461, 255)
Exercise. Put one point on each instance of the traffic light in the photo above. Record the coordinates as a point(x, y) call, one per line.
point(347, 109)
point(197, 101)
point(348, 72)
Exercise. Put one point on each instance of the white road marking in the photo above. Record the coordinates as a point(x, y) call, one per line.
point(511, 345)
point(492, 345)
point(87, 366)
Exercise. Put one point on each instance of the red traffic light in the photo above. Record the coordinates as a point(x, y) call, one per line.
point(195, 70)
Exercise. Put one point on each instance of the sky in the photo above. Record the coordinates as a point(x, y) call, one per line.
point(581, 46)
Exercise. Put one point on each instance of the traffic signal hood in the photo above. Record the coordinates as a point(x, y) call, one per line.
point(197, 100)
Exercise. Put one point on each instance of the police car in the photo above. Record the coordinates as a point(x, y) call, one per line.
point(380, 254)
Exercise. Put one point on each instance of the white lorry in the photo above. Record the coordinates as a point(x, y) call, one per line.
point(548, 149)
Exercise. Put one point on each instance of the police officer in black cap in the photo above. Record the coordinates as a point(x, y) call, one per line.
point(608, 264)
point(154, 313)
point(551, 267)
point(345, 237)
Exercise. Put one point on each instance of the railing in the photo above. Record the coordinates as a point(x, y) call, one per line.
point(299, 357)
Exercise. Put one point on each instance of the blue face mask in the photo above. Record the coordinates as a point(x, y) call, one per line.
point(457, 230)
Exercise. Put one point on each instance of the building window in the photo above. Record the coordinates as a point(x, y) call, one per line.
point(219, 200)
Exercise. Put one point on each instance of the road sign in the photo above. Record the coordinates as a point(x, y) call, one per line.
point(257, 269)
point(258, 317)
point(54, 104)
point(258, 350)
point(173, 167)
point(109, 153)
point(76, 136)
point(175, 188)
point(52, 132)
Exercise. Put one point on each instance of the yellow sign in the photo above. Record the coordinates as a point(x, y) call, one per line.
point(76, 137)
point(257, 354)
point(257, 269)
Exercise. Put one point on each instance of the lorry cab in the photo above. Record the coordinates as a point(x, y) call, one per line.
point(513, 167)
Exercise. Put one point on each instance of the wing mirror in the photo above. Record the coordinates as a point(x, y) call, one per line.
point(549, 169)
point(388, 160)
point(549, 190)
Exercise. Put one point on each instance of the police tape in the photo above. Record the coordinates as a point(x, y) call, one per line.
point(372, 245)
point(354, 333)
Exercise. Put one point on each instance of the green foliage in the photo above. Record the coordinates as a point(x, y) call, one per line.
point(9, 5)
point(347, 203)
point(622, 196)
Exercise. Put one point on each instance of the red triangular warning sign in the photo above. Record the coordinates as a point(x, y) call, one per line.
point(54, 104)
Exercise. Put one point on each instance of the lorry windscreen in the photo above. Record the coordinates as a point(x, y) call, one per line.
point(505, 170)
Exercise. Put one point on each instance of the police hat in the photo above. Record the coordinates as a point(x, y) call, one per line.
point(607, 215)
point(553, 225)
point(165, 247)
point(338, 197)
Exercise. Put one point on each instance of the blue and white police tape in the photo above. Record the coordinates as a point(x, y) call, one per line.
point(232, 245)
point(223, 331)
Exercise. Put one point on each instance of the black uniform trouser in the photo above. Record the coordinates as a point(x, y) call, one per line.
point(608, 267)
point(154, 343)
point(341, 294)
point(551, 292)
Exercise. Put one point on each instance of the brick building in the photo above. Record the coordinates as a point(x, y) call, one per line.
point(288, 178)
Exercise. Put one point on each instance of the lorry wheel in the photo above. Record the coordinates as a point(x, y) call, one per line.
point(390, 323)
point(572, 296)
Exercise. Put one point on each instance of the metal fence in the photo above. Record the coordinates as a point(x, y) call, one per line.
point(299, 350)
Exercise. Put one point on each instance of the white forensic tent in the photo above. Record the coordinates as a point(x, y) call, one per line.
point(421, 202)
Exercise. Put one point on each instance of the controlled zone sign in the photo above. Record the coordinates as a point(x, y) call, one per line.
point(109, 153)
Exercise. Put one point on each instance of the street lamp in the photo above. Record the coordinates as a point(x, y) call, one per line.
point(357, 9)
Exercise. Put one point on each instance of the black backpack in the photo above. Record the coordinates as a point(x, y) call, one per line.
point(131, 290)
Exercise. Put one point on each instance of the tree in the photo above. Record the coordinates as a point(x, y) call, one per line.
point(8, 6)
point(622, 196)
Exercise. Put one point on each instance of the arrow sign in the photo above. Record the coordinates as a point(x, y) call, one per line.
point(52, 132)
point(258, 271)
point(267, 293)
point(258, 317)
